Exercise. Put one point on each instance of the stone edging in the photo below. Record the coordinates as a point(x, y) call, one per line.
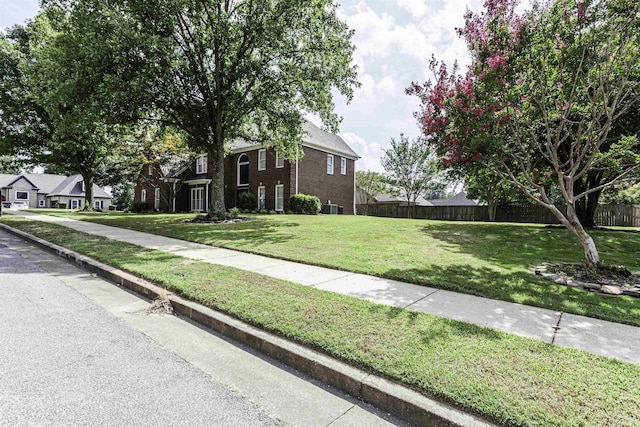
point(541, 272)
point(394, 398)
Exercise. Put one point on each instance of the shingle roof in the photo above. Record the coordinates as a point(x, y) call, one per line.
point(459, 199)
point(400, 198)
point(72, 186)
point(314, 138)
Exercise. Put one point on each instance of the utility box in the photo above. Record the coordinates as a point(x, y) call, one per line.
point(329, 209)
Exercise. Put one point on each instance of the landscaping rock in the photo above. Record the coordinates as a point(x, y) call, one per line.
point(592, 286)
point(631, 292)
point(611, 290)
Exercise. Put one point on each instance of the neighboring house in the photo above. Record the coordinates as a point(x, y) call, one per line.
point(40, 190)
point(459, 199)
point(327, 170)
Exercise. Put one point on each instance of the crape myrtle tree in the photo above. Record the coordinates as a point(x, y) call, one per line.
point(222, 70)
point(411, 167)
point(541, 100)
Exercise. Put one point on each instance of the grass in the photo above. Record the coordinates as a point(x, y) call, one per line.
point(514, 380)
point(485, 259)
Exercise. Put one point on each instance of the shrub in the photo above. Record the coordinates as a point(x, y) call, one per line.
point(247, 200)
point(217, 215)
point(304, 204)
point(62, 206)
point(137, 206)
point(234, 213)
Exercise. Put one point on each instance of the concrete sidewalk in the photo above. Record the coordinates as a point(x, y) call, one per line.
point(584, 333)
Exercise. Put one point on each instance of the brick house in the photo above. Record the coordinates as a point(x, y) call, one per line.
point(327, 170)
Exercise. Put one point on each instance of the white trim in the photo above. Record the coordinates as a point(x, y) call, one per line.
point(15, 195)
point(143, 195)
point(262, 153)
point(201, 165)
point(202, 181)
point(262, 204)
point(279, 161)
point(196, 203)
point(330, 164)
point(343, 165)
point(41, 203)
point(71, 203)
point(97, 204)
point(156, 198)
point(238, 170)
point(304, 144)
point(281, 186)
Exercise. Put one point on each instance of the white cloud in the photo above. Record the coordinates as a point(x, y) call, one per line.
point(370, 152)
point(389, 86)
point(417, 8)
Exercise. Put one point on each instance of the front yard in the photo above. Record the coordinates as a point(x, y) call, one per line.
point(513, 380)
point(486, 259)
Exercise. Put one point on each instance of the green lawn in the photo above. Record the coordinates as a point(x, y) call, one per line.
point(485, 259)
point(514, 380)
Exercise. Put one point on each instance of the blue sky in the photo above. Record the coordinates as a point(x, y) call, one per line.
point(394, 41)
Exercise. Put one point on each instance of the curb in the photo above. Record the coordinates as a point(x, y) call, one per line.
point(391, 397)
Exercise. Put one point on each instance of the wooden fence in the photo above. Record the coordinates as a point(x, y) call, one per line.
point(606, 215)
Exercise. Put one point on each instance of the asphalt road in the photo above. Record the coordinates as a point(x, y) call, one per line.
point(66, 361)
point(76, 350)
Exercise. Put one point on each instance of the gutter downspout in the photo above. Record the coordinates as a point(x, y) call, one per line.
point(173, 203)
point(296, 172)
point(354, 188)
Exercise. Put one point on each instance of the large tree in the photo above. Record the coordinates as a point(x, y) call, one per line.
point(51, 112)
point(539, 103)
point(222, 70)
point(412, 168)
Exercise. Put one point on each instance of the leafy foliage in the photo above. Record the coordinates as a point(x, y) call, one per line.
point(304, 204)
point(540, 102)
point(372, 183)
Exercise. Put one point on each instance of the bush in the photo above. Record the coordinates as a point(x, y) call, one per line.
point(137, 207)
point(304, 204)
point(234, 213)
point(62, 206)
point(247, 200)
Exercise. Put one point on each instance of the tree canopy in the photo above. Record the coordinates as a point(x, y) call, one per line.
point(542, 101)
point(221, 70)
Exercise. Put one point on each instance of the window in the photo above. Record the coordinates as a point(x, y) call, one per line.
point(262, 159)
point(279, 197)
point(197, 199)
point(201, 164)
point(156, 199)
point(143, 195)
point(74, 204)
point(343, 166)
point(330, 164)
point(279, 161)
point(22, 195)
point(97, 204)
point(150, 170)
point(243, 170)
point(41, 203)
point(262, 195)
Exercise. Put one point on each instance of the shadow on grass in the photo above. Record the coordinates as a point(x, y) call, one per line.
point(524, 245)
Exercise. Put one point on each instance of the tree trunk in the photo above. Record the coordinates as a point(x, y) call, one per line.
point(586, 209)
point(88, 191)
point(592, 258)
point(216, 190)
point(492, 210)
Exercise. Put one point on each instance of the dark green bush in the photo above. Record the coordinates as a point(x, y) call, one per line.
point(247, 200)
point(137, 207)
point(304, 204)
point(62, 206)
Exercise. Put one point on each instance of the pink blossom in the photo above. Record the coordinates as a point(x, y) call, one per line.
point(560, 85)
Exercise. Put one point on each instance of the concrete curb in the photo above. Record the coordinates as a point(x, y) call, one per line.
point(394, 398)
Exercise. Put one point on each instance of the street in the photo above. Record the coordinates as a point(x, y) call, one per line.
point(77, 350)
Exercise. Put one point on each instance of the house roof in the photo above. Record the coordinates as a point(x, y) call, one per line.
point(400, 198)
point(314, 138)
point(43, 182)
point(72, 186)
point(459, 199)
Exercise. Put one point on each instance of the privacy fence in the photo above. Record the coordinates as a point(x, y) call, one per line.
point(606, 215)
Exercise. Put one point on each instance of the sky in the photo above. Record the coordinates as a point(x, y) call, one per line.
point(394, 41)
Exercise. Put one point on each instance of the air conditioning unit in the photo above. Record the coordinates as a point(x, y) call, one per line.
point(329, 209)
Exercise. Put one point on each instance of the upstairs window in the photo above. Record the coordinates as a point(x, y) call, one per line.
point(343, 166)
point(262, 159)
point(201, 164)
point(243, 170)
point(22, 195)
point(150, 170)
point(279, 161)
point(330, 164)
